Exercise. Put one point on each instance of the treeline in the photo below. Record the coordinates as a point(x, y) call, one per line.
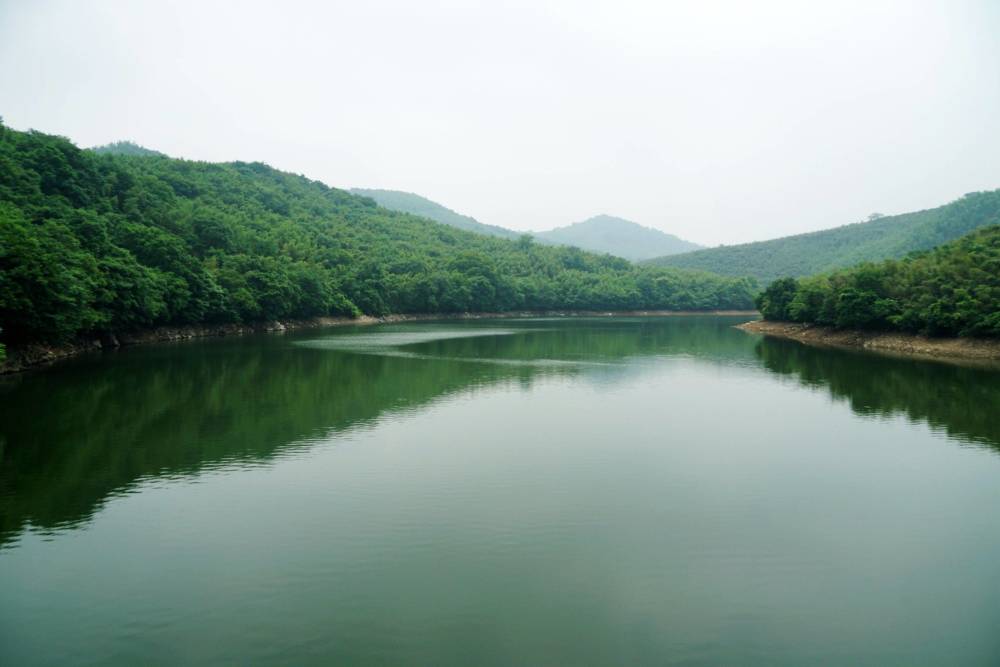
point(886, 237)
point(102, 243)
point(952, 290)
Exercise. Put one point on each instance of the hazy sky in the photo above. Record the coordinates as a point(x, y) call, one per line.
point(720, 122)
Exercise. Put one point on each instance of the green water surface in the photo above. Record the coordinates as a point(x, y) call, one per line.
point(623, 491)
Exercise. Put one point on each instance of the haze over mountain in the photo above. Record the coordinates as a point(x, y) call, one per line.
point(617, 236)
point(601, 233)
point(886, 237)
point(407, 202)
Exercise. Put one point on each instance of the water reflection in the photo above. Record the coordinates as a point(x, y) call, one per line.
point(961, 401)
point(75, 434)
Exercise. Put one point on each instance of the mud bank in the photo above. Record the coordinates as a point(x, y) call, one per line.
point(25, 357)
point(892, 343)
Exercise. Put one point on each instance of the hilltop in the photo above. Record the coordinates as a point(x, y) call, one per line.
point(619, 237)
point(126, 148)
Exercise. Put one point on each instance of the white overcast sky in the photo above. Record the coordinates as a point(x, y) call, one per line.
point(721, 122)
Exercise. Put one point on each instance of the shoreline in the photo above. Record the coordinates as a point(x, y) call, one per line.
point(894, 343)
point(35, 355)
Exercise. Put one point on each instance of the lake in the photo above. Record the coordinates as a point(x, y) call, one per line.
point(606, 491)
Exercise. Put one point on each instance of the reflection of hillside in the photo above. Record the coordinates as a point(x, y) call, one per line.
point(962, 401)
point(175, 410)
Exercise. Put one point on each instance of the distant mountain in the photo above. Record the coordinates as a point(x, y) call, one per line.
point(127, 148)
point(602, 233)
point(818, 252)
point(407, 202)
point(617, 236)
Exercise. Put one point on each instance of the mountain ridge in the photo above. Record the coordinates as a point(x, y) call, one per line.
point(602, 233)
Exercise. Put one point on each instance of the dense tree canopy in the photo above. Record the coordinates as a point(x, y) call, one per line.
point(951, 290)
point(93, 243)
point(881, 237)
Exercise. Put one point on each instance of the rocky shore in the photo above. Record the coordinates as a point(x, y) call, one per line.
point(24, 357)
point(896, 343)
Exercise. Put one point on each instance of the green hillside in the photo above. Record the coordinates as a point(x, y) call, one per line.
point(619, 237)
point(102, 243)
point(951, 290)
point(818, 252)
point(407, 202)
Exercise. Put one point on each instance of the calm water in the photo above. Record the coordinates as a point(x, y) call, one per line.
point(514, 492)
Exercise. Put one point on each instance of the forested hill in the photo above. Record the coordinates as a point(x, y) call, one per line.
point(951, 290)
point(126, 148)
point(619, 237)
point(407, 202)
point(93, 243)
point(818, 252)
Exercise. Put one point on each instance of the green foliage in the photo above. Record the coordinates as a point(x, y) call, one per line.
point(882, 237)
point(94, 243)
point(951, 290)
point(773, 303)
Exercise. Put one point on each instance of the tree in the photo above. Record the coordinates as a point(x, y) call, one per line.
point(773, 303)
